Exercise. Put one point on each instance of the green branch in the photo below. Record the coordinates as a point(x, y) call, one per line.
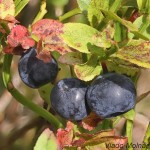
point(22, 99)
point(70, 14)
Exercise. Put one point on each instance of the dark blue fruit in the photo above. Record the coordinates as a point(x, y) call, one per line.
point(111, 95)
point(68, 99)
point(35, 72)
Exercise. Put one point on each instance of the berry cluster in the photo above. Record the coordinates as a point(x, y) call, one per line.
point(109, 95)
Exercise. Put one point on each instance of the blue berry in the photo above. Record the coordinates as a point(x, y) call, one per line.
point(111, 95)
point(68, 99)
point(35, 72)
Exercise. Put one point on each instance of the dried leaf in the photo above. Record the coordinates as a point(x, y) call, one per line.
point(78, 142)
point(91, 121)
point(98, 137)
point(44, 56)
point(65, 136)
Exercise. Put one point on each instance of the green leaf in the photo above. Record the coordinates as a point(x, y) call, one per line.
point(96, 50)
point(46, 141)
point(64, 72)
point(94, 11)
point(114, 6)
point(131, 27)
point(58, 3)
point(143, 24)
point(121, 67)
point(69, 14)
point(83, 4)
point(117, 35)
point(19, 5)
point(129, 129)
point(136, 52)
point(78, 36)
point(147, 137)
point(6, 8)
point(144, 6)
point(129, 115)
point(130, 3)
point(120, 32)
point(41, 13)
point(88, 70)
point(71, 58)
point(44, 92)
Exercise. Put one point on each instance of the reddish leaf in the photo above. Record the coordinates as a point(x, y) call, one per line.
point(78, 142)
point(65, 136)
point(45, 27)
point(49, 32)
point(10, 21)
point(13, 50)
point(45, 56)
point(107, 139)
point(39, 46)
point(55, 43)
point(19, 36)
point(85, 136)
point(2, 30)
point(91, 121)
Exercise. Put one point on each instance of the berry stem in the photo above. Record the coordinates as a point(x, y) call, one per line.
point(22, 99)
point(70, 14)
point(104, 67)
